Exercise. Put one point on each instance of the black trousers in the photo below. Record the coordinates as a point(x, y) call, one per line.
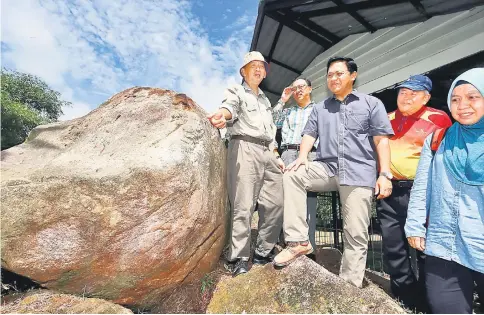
point(450, 286)
point(406, 286)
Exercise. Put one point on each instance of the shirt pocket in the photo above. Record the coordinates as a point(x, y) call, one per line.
point(357, 121)
point(249, 105)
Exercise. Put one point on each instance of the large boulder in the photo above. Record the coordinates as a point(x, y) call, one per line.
point(48, 302)
point(124, 204)
point(302, 287)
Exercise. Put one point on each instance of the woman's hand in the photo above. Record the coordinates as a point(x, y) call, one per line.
point(417, 242)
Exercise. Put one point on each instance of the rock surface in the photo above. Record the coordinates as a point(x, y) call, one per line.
point(47, 302)
point(302, 287)
point(123, 204)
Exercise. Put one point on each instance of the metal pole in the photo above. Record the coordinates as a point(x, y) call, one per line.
point(335, 219)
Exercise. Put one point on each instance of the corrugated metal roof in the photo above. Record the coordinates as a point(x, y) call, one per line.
point(390, 55)
point(268, 28)
point(341, 24)
point(323, 5)
point(279, 75)
point(396, 14)
point(298, 37)
point(302, 47)
point(435, 6)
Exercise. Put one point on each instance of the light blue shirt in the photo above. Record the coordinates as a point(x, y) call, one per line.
point(456, 212)
point(292, 120)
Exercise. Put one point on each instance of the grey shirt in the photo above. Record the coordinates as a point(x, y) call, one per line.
point(345, 131)
point(251, 113)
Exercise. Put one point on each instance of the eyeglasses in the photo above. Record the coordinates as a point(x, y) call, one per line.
point(298, 87)
point(337, 74)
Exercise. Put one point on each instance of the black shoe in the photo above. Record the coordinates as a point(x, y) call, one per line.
point(237, 267)
point(242, 266)
point(261, 260)
point(230, 265)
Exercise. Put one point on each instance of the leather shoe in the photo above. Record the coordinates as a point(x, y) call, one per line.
point(292, 251)
point(261, 260)
point(237, 267)
point(242, 266)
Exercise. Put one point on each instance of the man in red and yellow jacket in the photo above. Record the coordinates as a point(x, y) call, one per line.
point(412, 122)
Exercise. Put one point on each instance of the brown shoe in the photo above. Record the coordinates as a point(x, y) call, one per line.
point(292, 251)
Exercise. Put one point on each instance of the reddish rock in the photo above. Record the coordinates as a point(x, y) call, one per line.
point(124, 203)
point(48, 302)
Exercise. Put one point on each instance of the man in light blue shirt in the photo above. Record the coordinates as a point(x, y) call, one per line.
point(292, 120)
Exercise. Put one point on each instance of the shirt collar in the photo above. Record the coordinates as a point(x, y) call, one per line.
point(415, 115)
point(247, 88)
point(347, 96)
point(296, 106)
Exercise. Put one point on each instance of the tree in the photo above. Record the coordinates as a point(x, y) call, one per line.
point(26, 102)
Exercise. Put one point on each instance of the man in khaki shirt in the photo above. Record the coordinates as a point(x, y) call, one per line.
point(254, 169)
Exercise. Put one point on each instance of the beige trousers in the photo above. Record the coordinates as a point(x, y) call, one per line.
point(253, 177)
point(356, 208)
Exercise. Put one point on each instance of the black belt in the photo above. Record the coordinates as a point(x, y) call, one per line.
point(402, 183)
point(250, 139)
point(296, 147)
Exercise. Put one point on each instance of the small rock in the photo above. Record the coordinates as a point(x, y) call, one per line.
point(48, 302)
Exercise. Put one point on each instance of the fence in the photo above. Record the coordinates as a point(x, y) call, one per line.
point(329, 229)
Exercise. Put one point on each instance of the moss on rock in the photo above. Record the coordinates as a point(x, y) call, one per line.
point(302, 287)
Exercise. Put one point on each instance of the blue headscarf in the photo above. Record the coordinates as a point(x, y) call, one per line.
point(464, 144)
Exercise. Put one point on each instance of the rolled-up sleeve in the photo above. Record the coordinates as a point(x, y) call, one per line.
point(419, 196)
point(311, 127)
point(231, 102)
point(379, 123)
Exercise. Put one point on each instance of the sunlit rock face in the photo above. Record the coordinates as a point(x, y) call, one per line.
point(124, 203)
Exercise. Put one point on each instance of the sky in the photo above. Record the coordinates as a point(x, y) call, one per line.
point(91, 50)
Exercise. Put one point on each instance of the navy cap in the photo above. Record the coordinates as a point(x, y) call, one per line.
point(416, 83)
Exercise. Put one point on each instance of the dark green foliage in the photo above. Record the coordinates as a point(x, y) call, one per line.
point(26, 102)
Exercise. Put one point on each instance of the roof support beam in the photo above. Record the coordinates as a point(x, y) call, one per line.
point(420, 8)
point(280, 64)
point(289, 4)
point(312, 25)
point(300, 29)
point(355, 15)
point(258, 26)
point(353, 7)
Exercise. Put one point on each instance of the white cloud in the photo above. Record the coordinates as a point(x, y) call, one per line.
point(76, 110)
point(90, 50)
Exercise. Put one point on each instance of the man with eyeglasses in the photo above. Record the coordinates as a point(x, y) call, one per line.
point(292, 121)
point(412, 122)
point(254, 168)
point(350, 127)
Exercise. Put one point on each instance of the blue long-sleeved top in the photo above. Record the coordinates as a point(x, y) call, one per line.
point(456, 212)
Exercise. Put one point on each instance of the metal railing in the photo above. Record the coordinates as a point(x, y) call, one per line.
point(329, 230)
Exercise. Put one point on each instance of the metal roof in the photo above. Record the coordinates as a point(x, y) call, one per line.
point(389, 39)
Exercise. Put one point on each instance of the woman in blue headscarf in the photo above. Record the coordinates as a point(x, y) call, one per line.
point(448, 191)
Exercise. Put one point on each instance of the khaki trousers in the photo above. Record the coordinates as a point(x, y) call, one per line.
point(253, 177)
point(288, 157)
point(356, 208)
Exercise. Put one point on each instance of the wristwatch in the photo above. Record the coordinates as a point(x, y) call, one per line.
point(388, 175)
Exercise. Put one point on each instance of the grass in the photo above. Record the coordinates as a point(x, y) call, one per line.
point(207, 283)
